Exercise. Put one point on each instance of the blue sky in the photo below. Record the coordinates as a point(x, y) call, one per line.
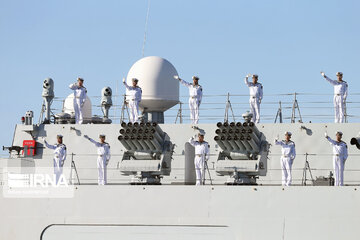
point(287, 43)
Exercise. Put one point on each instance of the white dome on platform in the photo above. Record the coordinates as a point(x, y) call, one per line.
point(160, 91)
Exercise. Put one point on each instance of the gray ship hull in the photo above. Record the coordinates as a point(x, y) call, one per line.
point(246, 212)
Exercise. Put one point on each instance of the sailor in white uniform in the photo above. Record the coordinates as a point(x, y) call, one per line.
point(288, 155)
point(59, 156)
point(340, 94)
point(103, 151)
point(195, 92)
point(134, 95)
point(256, 95)
point(340, 152)
point(202, 154)
point(79, 99)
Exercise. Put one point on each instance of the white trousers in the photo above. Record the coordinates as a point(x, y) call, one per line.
point(134, 111)
point(101, 165)
point(58, 170)
point(78, 111)
point(255, 109)
point(194, 110)
point(339, 109)
point(338, 171)
point(286, 165)
point(200, 170)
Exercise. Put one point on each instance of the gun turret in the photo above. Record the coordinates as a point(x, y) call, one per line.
point(13, 148)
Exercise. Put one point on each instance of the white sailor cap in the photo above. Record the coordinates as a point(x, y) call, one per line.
point(255, 76)
point(288, 133)
point(59, 136)
point(338, 132)
point(339, 74)
point(195, 78)
point(101, 135)
point(201, 133)
point(134, 79)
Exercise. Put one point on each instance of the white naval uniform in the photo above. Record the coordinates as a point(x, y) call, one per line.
point(79, 100)
point(59, 158)
point(256, 95)
point(134, 97)
point(202, 154)
point(103, 151)
point(195, 92)
point(340, 152)
point(288, 155)
point(340, 94)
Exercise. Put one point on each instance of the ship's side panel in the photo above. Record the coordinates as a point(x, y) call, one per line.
point(309, 139)
point(266, 212)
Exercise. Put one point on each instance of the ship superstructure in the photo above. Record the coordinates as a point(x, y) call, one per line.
point(151, 176)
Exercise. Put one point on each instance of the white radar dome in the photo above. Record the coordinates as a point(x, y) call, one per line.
point(160, 91)
point(68, 107)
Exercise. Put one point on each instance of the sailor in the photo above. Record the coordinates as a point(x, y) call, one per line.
point(340, 154)
point(195, 92)
point(340, 94)
point(288, 155)
point(79, 99)
point(134, 97)
point(256, 95)
point(59, 156)
point(103, 151)
point(202, 154)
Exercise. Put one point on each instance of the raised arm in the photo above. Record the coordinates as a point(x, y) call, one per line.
point(126, 85)
point(73, 86)
point(332, 82)
point(53, 147)
point(92, 140)
point(332, 142)
point(277, 142)
point(192, 141)
point(246, 80)
point(185, 83)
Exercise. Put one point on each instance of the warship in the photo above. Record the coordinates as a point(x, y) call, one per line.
point(151, 192)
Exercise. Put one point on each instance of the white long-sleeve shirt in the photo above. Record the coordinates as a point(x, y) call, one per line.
point(201, 148)
point(340, 88)
point(256, 90)
point(59, 152)
point(79, 92)
point(339, 148)
point(287, 148)
point(103, 149)
point(195, 91)
point(133, 93)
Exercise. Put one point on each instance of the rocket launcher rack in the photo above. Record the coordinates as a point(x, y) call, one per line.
point(142, 137)
point(244, 152)
point(238, 137)
point(149, 152)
